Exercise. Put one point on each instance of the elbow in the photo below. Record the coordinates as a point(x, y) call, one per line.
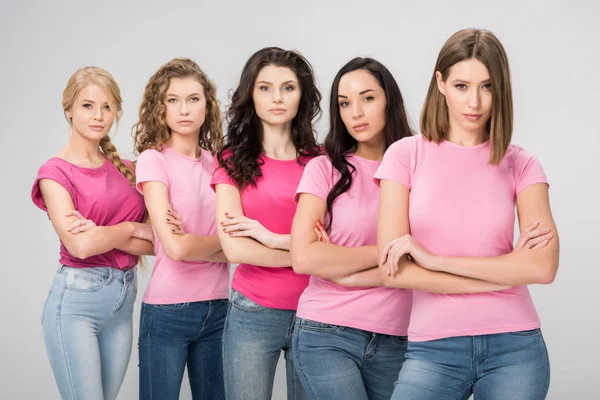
point(231, 254)
point(300, 264)
point(79, 250)
point(547, 274)
point(174, 253)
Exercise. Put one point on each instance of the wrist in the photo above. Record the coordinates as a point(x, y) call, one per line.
point(439, 264)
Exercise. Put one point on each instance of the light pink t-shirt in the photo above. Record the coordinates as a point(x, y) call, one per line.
point(460, 205)
point(102, 195)
point(188, 182)
point(374, 309)
point(271, 202)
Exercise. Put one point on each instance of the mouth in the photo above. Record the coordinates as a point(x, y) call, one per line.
point(277, 110)
point(472, 117)
point(360, 127)
point(97, 128)
point(185, 122)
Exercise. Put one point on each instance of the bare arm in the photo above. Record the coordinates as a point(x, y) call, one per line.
point(322, 259)
point(367, 278)
point(393, 223)
point(538, 265)
point(186, 247)
point(244, 249)
point(137, 247)
point(95, 241)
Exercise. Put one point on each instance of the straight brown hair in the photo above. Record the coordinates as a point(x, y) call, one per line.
point(484, 46)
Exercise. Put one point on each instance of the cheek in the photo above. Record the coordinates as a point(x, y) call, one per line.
point(453, 101)
point(346, 116)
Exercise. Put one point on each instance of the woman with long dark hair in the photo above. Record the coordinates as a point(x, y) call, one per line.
point(270, 138)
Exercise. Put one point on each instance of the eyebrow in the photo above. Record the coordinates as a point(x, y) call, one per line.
point(174, 95)
point(360, 94)
point(88, 101)
point(463, 81)
point(270, 83)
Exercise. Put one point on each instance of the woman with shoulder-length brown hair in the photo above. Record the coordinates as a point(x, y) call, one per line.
point(447, 209)
point(185, 303)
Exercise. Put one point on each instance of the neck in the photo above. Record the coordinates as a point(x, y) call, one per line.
point(372, 150)
point(185, 144)
point(277, 141)
point(82, 151)
point(466, 138)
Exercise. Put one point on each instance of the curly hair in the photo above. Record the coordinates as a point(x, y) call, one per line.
point(240, 156)
point(152, 131)
point(105, 81)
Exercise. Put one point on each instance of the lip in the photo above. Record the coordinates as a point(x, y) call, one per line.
point(97, 128)
point(360, 127)
point(277, 110)
point(472, 117)
point(185, 122)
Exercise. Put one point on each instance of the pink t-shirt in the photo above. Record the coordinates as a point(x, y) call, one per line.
point(374, 309)
point(102, 195)
point(460, 205)
point(188, 183)
point(271, 202)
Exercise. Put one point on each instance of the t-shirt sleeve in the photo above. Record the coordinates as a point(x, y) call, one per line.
point(220, 175)
point(57, 172)
point(528, 170)
point(396, 163)
point(316, 179)
point(150, 167)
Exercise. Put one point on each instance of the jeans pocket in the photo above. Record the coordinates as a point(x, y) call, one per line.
point(243, 303)
point(175, 306)
point(401, 340)
point(83, 281)
point(314, 326)
point(528, 333)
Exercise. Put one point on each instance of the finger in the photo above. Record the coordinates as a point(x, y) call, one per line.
point(241, 234)
point(230, 222)
point(173, 214)
point(231, 215)
point(386, 250)
point(318, 232)
point(325, 235)
point(542, 244)
point(236, 227)
point(75, 224)
point(74, 213)
point(535, 241)
point(532, 234)
point(531, 226)
point(86, 226)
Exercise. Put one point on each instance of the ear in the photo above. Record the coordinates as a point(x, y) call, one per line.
point(69, 115)
point(440, 83)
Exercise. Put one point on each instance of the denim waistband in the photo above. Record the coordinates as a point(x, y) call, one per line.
point(105, 273)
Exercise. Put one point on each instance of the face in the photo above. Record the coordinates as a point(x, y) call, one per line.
point(362, 105)
point(185, 105)
point(91, 116)
point(468, 95)
point(276, 95)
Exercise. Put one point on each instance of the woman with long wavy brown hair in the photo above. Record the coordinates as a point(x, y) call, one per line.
point(185, 303)
point(270, 138)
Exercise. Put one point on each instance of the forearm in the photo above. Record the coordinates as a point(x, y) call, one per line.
point(366, 278)
point(190, 247)
point(137, 247)
point(218, 257)
point(331, 261)
point(516, 268)
point(101, 239)
point(411, 276)
point(249, 251)
point(281, 242)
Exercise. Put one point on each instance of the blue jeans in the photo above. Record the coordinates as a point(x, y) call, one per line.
point(501, 366)
point(252, 342)
point(337, 362)
point(88, 332)
point(175, 335)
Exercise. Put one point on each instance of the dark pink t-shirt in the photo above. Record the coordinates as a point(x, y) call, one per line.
point(102, 195)
point(271, 202)
point(462, 206)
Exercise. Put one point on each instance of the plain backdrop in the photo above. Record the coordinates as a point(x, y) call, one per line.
point(553, 51)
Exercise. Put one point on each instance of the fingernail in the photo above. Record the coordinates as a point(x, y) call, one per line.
point(168, 219)
point(546, 229)
point(226, 213)
point(168, 210)
point(221, 224)
point(230, 233)
point(172, 230)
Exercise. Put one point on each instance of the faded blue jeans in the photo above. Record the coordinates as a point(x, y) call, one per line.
point(175, 335)
point(338, 362)
point(253, 339)
point(491, 367)
point(87, 325)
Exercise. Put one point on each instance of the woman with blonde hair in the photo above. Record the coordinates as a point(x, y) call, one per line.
point(447, 205)
point(185, 303)
point(89, 195)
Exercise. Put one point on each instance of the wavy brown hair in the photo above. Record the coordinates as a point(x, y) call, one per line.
point(241, 154)
point(151, 131)
point(105, 81)
point(484, 46)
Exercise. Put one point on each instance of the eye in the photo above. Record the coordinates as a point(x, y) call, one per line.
point(288, 88)
point(460, 86)
point(87, 105)
point(344, 104)
point(487, 86)
point(172, 100)
point(263, 88)
point(368, 98)
point(107, 107)
point(195, 99)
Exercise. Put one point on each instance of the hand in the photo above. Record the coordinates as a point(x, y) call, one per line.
point(175, 220)
point(406, 245)
point(242, 226)
point(81, 225)
point(322, 235)
point(143, 231)
point(533, 238)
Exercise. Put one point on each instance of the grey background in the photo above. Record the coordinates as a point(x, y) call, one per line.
point(553, 51)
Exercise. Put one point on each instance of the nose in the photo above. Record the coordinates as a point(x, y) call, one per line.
point(277, 98)
point(99, 115)
point(183, 110)
point(357, 111)
point(474, 98)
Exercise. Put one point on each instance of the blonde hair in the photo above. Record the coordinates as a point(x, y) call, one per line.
point(105, 81)
point(484, 46)
point(152, 131)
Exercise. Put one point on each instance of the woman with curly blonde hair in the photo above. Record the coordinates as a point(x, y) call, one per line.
point(185, 303)
point(89, 195)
